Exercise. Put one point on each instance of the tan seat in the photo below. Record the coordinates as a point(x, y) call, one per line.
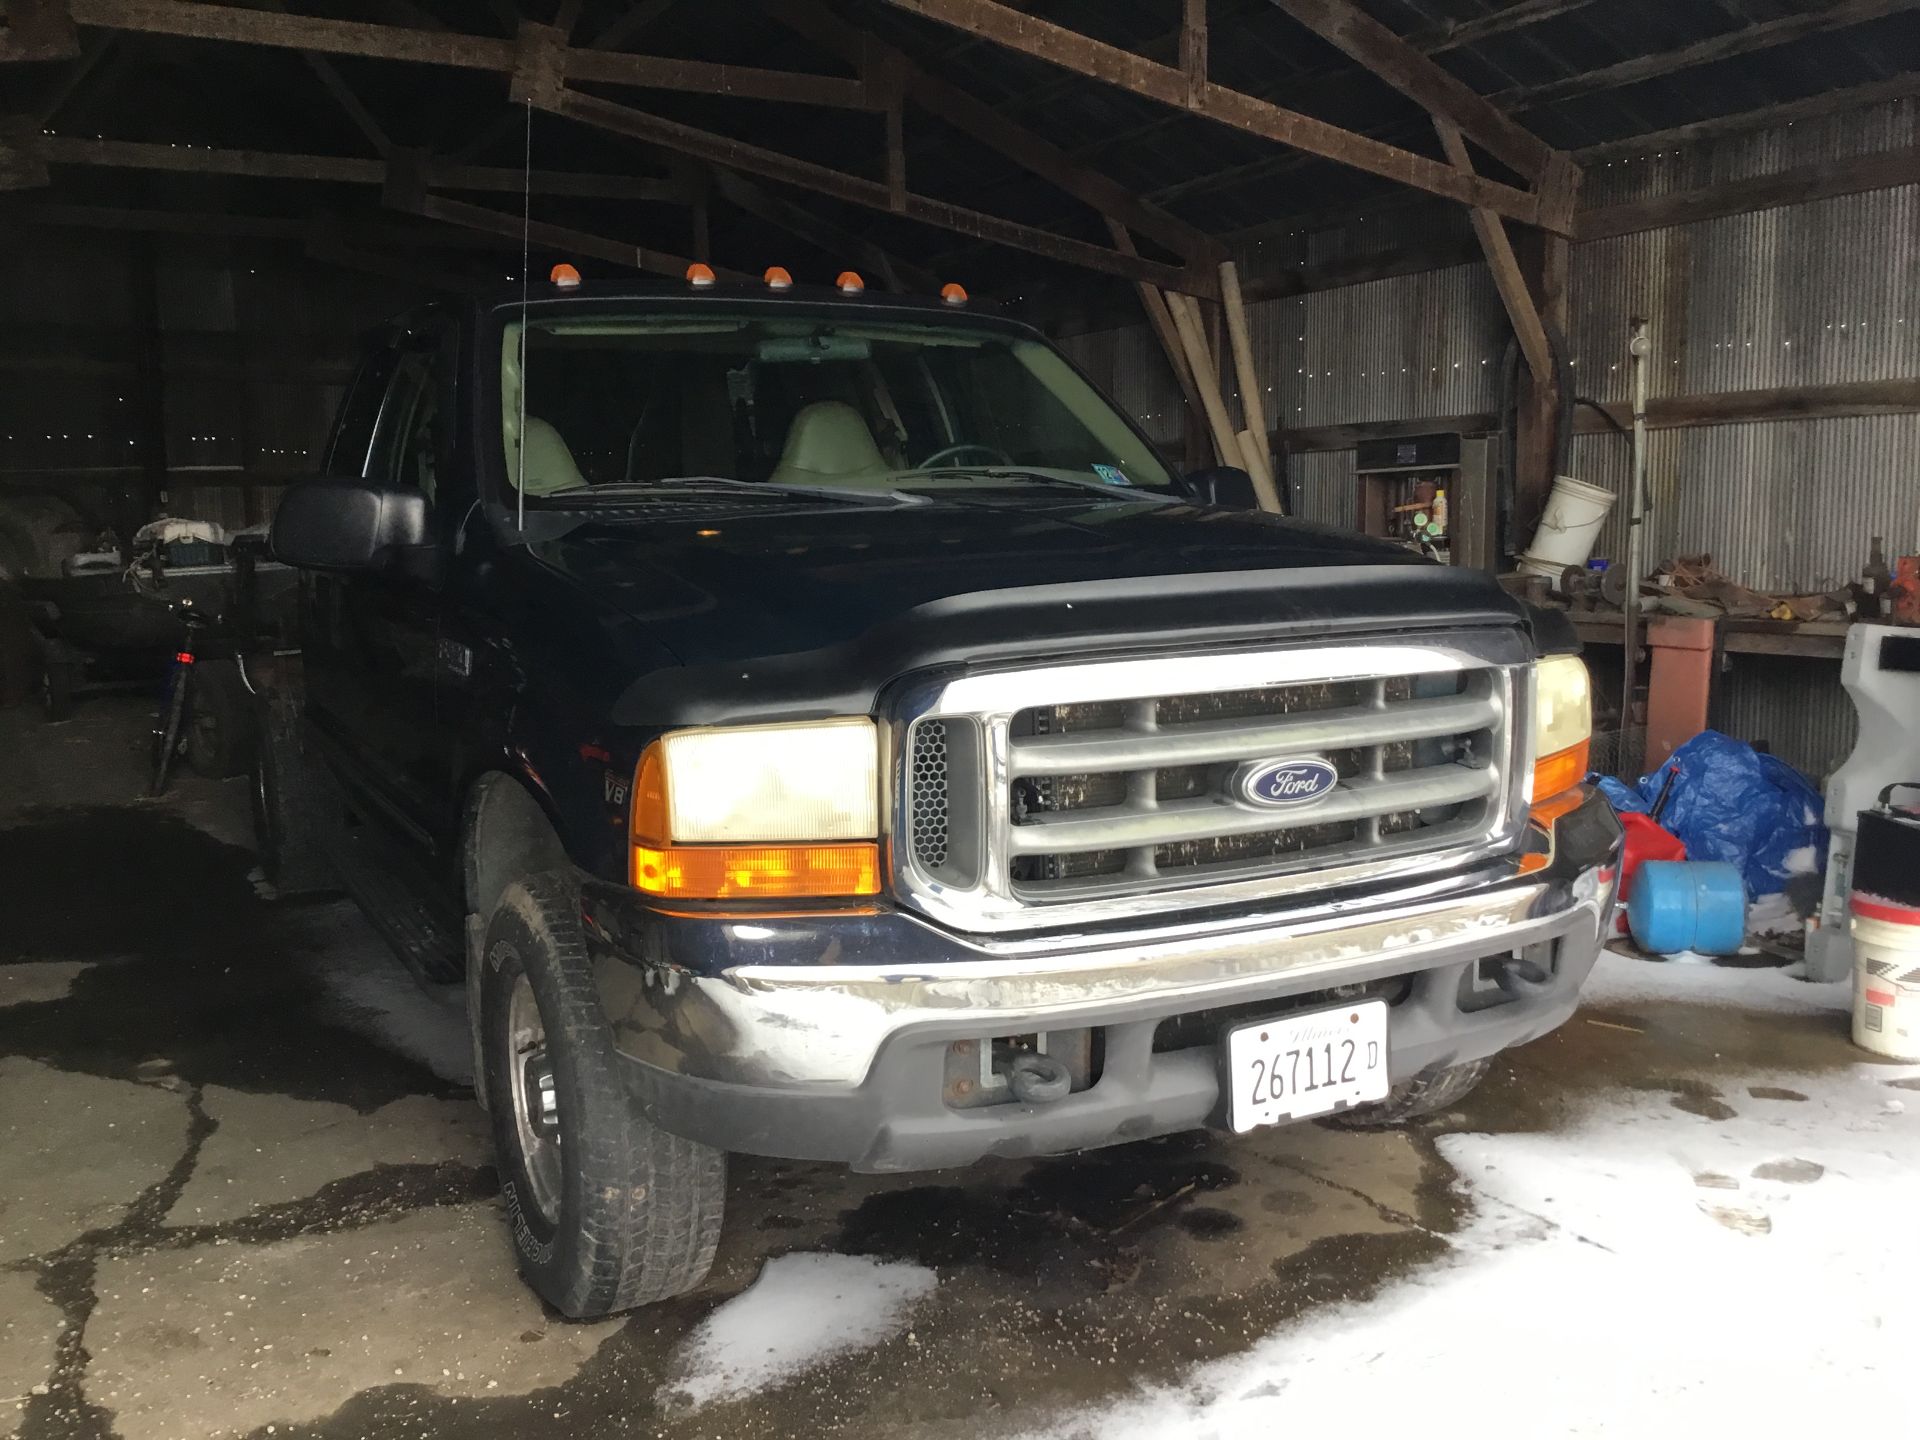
point(829, 444)
point(550, 465)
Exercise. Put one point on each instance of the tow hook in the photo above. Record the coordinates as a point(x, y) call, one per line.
point(1036, 1079)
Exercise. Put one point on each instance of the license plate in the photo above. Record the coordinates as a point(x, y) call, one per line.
point(1302, 1065)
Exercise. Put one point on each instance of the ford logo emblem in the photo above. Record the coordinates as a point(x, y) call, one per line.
point(1278, 784)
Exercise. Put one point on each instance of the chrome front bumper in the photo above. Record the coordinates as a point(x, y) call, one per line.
point(825, 1036)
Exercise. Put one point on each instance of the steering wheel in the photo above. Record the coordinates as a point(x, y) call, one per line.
point(999, 456)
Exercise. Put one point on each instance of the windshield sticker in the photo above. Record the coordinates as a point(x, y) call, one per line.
point(1111, 474)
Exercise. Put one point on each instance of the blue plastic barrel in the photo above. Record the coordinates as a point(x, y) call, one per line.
point(1698, 905)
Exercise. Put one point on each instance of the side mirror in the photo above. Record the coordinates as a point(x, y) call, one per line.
point(1224, 485)
point(353, 525)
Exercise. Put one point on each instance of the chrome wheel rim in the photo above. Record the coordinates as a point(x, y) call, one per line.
point(536, 1105)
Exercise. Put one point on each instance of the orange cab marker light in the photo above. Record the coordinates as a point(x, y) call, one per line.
point(777, 278)
point(564, 276)
point(953, 294)
point(1559, 772)
point(850, 283)
point(700, 276)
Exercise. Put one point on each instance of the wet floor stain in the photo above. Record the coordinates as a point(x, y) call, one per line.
point(1790, 1172)
point(1773, 1092)
point(1060, 1215)
point(208, 980)
point(1691, 1095)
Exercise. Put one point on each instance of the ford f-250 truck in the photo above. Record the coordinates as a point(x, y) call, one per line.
point(819, 725)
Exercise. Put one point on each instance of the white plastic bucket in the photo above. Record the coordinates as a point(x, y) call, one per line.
point(1571, 523)
point(1886, 978)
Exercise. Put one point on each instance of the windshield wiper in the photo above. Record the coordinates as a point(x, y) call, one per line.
point(1036, 477)
point(681, 484)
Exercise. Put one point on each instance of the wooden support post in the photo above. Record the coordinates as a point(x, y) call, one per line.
point(149, 385)
point(1193, 49)
point(1544, 264)
point(896, 146)
point(1186, 320)
point(38, 30)
point(1252, 403)
point(23, 158)
point(1507, 278)
point(1160, 321)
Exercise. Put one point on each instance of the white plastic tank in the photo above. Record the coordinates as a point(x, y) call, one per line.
point(1883, 680)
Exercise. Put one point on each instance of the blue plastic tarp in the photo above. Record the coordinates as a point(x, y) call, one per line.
point(1729, 802)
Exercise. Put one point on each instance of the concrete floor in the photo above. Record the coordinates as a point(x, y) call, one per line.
point(246, 1191)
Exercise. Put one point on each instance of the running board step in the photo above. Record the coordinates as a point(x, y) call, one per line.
point(400, 898)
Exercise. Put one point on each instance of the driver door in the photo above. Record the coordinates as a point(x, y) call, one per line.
point(371, 656)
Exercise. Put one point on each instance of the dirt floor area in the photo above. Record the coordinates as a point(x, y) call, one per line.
point(244, 1190)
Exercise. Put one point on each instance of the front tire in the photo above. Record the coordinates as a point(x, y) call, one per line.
point(1424, 1094)
point(606, 1212)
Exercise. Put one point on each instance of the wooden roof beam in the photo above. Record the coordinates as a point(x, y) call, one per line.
point(342, 169)
point(1168, 84)
point(744, 194)
point(1442, 94)
point(194, 20)
point(404, 194)
point(1765, 36)
point(726, 152)
point(982, 122)
point(1508, 279)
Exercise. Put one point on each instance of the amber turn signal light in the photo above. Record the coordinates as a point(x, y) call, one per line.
point(1559, 772)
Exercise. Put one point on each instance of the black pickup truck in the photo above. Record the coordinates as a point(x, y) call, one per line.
point(819, 725)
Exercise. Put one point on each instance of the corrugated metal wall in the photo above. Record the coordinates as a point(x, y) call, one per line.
point(256, 345)
point(1817, 293)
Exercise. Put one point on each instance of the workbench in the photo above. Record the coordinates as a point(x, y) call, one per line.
point(1814, 639)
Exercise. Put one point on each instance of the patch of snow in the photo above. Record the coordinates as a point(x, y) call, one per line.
point(1647, 1273)
point(1629, 980)
point(1774, 915)
point(802, 1310)
point(1803, 861)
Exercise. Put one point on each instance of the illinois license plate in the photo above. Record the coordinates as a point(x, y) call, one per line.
point(1302, 1065)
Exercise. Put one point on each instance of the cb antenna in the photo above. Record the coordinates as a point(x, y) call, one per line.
point(526, 249)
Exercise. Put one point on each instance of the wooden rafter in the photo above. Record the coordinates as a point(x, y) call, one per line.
point(1765, 36)
point(725, 151)
point(341, 169)
point(980, 121)
point(556, 237)
point(1167, 84)
point(1507, 278)
point(744, 194)
point(1441, 93)
point(192, 19)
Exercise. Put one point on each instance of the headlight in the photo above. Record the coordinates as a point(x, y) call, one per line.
point(1562, 725)
point(762, 810)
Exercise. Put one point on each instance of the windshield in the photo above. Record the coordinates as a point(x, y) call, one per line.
point(809, 400)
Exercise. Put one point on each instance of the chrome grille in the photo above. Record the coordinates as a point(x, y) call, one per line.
point(1137, 794)
point(1081, 792)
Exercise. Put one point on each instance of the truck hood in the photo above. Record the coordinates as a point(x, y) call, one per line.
point(760, 606)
